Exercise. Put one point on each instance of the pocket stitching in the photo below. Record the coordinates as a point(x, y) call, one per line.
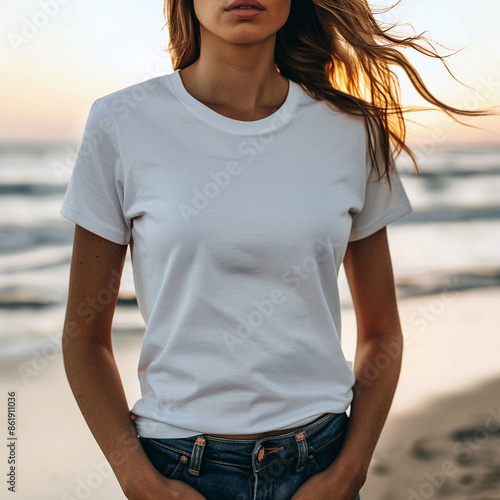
point(331, 441)
point(171, 448)
point(315, 462)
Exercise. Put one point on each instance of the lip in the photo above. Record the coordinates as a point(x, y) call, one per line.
point(245, 3)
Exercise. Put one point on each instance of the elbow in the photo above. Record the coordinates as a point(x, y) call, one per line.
point(389, 340)
point(82, 341)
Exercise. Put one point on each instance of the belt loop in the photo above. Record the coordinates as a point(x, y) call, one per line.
point(196, 454)
point(301, 441)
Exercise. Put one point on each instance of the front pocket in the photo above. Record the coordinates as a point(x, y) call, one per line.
point(165, 460)
point(325, 455)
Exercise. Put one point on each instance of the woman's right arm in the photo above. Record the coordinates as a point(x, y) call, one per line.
point(95, 273)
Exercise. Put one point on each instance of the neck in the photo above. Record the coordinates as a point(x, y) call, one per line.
point(236, 79)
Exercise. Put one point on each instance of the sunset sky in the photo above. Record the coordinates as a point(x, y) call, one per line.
point(58, 57)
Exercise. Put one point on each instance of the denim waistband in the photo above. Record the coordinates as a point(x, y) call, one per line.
point(244, 452)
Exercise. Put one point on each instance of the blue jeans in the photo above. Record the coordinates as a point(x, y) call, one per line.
point(269, 468)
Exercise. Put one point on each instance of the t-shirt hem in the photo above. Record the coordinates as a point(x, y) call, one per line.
point(93, 226)
point(392, 216)
point(159, 430)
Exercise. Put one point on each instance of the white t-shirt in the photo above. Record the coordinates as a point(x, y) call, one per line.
point(237, 230)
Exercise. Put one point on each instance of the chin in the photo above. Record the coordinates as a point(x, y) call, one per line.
point(246, 35)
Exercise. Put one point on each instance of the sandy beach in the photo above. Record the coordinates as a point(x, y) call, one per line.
point(442, 436)
point(441, 439)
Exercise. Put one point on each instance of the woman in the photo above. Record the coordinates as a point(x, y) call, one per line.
point(241, 182)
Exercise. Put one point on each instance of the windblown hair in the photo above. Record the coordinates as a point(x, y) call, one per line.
point(340, 54)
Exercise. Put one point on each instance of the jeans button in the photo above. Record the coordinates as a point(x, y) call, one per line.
point(310, 458)
point(261, 454)
point(184, 459)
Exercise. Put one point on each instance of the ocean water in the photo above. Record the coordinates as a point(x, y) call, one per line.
point(451, 240)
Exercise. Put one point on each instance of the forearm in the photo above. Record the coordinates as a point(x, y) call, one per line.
point(377, 367)
point(96, 384)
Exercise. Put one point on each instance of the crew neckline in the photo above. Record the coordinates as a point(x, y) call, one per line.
point(276, 120)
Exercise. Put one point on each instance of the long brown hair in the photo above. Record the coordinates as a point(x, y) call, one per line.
point(339, 53)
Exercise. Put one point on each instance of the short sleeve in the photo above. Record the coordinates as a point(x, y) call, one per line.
point(95, 193)
point(382, 205)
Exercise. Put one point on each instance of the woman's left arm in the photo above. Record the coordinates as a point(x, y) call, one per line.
point(377, 365)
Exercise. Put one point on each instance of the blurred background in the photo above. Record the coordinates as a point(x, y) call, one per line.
point(59, 56)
